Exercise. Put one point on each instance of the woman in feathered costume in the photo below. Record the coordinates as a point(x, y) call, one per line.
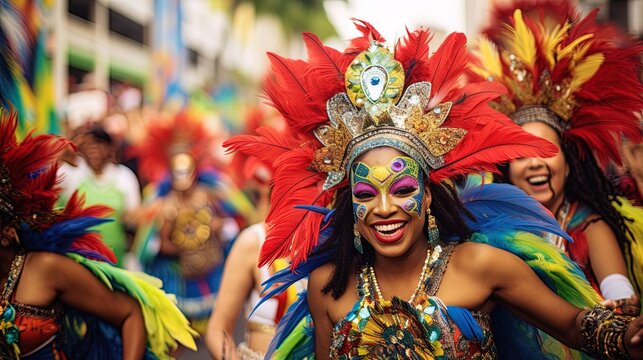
point(401, 266)
point(242, 279)
point(574, 83)
point(61, 295)
point(189, 220)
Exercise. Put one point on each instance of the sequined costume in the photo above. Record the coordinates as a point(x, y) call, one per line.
point(375, 327)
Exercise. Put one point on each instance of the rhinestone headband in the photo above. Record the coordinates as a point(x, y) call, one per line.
point(539, 113)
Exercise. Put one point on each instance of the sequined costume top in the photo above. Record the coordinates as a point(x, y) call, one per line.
point(37, 326)
point(426, 329)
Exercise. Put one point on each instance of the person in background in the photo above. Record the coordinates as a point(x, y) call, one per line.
point(101, 181)
point(242, 279)
point(61, 297)
point(191, 214)
point(575, 84)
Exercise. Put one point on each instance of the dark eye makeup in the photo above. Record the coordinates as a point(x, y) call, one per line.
point(404, 186)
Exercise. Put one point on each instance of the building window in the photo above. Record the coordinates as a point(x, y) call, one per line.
point(122, 25)
point(83, 9)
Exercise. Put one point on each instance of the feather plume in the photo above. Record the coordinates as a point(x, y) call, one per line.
point(267, 146)
point(487, 63)
point(521, 40)
point(293, 232)
point(369, 34)
point(289, 94)
point(413, 53)
point(446, 69)
point(327, 66)
point(166, 326)
point(495, 138)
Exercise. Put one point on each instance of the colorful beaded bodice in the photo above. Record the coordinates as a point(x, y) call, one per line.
point(377, 328)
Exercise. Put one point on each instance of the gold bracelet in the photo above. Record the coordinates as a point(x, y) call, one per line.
point(603, 333)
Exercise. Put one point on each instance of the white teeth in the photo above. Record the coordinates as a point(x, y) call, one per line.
point(388, 227)
point(538, 179)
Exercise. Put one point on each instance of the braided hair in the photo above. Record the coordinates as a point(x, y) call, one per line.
point(584, 172)
point(446, 207)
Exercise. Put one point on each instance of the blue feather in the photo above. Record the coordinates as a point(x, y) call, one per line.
point(297, 311)
point(60, 237)
point(506, 207)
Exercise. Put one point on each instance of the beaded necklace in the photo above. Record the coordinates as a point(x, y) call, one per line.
point(429, 262)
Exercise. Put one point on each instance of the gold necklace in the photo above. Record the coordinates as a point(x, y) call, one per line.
point(431, 257)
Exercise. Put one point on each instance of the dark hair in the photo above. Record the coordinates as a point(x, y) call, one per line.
point(99, 134)
point(445, 206)
point(584, 173)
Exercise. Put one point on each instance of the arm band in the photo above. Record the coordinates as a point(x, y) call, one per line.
point(615, 287)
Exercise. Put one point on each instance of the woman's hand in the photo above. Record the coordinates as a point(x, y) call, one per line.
point(630, 306)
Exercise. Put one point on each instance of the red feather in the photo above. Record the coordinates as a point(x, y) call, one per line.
point(369, 34)
point(492, 137)
point(446, 68)
point(293, 185)
point(91, 241)
point(327, 66)
point(289, 94)
point(413, 54)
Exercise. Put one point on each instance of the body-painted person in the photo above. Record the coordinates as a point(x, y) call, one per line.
point(61, 296)
point(401, 266)
point(575, 83)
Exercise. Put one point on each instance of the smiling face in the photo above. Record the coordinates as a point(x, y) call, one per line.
point(389, 200)
point(537, 176)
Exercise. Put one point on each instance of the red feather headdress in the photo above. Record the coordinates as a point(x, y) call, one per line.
point(183, 133)
point(577, 76)
point(338, 105)
point(28, 193)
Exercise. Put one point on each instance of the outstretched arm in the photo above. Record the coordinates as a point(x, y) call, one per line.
point(77, 287)
point(516, 286)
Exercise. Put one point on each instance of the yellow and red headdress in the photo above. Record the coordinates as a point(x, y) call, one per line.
point(578, 76)
point(338, 105)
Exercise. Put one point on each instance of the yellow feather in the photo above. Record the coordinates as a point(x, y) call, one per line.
point(585, 70)
point(489, 58)
point(522, 42)
point(551, 41)
point(569, 49)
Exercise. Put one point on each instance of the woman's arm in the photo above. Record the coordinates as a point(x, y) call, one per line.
point(607, 260)
point(515, 285)
point(238, 280)
point(318, 303)
point(77, 287)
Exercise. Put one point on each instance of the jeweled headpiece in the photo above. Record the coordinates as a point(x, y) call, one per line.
point(577, 76)
point(338, 105)
point(368, 115)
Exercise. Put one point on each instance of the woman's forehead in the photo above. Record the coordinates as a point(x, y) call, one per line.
point(379, 156)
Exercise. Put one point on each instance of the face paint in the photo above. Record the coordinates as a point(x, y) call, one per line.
point(401, 180)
